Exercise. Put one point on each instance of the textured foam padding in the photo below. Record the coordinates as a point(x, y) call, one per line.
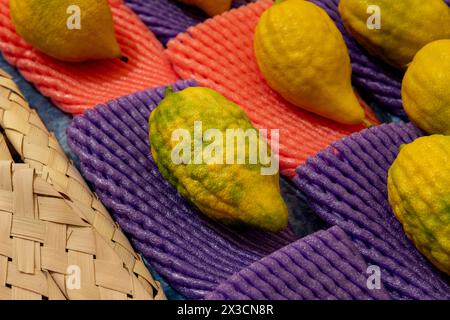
point(75, 87)
point(167, 18)
point(325, 265)
point(346, 186)
point(219, 54)
point(378, 81)
point(193, 253)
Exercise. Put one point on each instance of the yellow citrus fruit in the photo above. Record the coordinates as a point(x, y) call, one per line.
point(419, 193)
point(405, 26)
point(303, 56)
point(228, 191)
point(211, 7)
point(52, 27)
point(425, 89)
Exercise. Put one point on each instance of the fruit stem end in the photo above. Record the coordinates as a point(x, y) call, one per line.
point(169, 91)
point(368, 123)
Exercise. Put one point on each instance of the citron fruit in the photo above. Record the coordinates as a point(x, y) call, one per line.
point(425, 89)
point(232, 192)
point(405, 26)
point(211, 7)
point(68, 30)
point(303, 57)
point(419, 193)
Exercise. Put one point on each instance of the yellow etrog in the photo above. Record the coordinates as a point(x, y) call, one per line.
point(303, 57)
point(419, 193)
point(404, 26)
point(228, 191)
point(67, 30)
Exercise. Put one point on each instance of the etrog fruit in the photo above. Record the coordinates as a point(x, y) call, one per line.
point(419, 193)
point(192, 138)
point(394, 30)
point(425, 88)
point(303, 57)
point(67, 30)
point(211, 7)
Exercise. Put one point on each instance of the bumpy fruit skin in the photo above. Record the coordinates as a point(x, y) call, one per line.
point(303, 56)
point(419, 193)
point(43, 24)
point(231, 193)
point(425, 89)
point(406, 26)
point(211, 7)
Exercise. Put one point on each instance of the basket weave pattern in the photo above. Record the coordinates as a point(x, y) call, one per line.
point(62, 221)
point(41, 235)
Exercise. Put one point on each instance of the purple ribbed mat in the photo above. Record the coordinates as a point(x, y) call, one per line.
point(346, 186)
point(324, 265)
point(191, 252)
point(167, 18)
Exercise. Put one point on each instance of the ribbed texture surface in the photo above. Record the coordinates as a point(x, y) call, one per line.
point(76, 87)
point(324, 265)
point(191, 252)
point(167, 18)
point(380, 82)
point(219, 54)
point(346, 186)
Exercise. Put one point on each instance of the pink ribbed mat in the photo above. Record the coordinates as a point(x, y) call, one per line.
point(219, 54)
point(76, 87)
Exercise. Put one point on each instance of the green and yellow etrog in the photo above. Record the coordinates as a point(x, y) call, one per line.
point(236, 194)
point(419, 193)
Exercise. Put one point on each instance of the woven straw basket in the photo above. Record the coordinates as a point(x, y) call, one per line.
point(57, 241)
